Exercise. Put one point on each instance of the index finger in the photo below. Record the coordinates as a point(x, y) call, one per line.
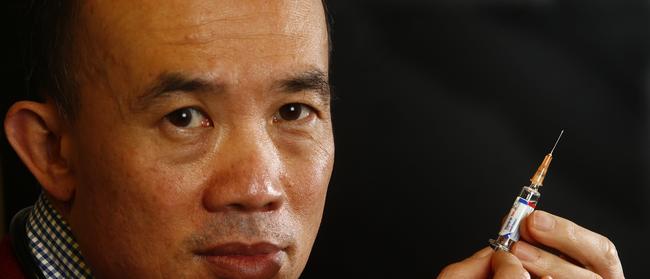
point(596, 252)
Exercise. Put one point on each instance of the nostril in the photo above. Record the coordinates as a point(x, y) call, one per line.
point(235, 207)
point(271, 206)
point(242, 207)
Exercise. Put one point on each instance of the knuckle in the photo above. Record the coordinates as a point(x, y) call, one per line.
point(546, 263)
point(571, 231)
point(610, 254)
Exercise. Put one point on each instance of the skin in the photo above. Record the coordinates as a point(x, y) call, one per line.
point(585, 254)
point(145, 196)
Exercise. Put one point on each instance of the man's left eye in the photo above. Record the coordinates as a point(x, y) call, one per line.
point(293, 112)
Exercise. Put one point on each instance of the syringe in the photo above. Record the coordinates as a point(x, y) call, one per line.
point(524, 204)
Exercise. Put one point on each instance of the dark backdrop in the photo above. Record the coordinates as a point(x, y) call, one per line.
point(445, 109)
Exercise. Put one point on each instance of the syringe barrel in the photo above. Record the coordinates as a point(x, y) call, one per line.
point(524, 204)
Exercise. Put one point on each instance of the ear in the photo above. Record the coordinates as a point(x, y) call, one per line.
point(35, 131)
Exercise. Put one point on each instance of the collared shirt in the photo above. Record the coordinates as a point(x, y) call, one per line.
point(52, 244)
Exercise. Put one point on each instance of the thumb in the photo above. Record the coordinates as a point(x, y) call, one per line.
point(477, 266)
point(507, 266)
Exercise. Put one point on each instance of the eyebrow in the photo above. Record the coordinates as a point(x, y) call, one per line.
point(312, 80)
point(169, 83)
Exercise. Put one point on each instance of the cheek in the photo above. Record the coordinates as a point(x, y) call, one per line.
point(126, 190)
point(140, 182)
point(308, 171)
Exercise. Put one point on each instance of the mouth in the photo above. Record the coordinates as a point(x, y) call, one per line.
point(246, 261)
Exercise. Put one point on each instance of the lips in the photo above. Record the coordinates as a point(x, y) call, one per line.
point(245, 261)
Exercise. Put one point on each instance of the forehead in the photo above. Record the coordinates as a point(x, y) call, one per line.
point(239, 37)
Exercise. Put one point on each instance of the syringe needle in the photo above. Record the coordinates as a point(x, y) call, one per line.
point(540, 174)
point(558, 140)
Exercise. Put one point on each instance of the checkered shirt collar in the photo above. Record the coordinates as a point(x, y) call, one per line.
point(52, 244)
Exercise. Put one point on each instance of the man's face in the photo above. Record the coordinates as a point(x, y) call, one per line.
point(203, 146)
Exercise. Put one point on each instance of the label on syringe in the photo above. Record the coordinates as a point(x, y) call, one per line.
point(520, 209)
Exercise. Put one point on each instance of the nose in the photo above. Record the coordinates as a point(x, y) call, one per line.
point(247, 176)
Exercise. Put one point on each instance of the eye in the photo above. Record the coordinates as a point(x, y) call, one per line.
point(188, 118)
point(293, 112)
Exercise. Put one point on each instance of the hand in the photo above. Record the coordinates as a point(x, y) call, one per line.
point(585, 254)
point(483, 264)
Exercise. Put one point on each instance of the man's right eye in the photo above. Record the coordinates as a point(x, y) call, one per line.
point(188, 118)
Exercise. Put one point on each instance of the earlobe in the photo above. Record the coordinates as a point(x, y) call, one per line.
point(35, 132)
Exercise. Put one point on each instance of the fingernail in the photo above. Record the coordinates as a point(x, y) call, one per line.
point(543, 221)
point(526, 252)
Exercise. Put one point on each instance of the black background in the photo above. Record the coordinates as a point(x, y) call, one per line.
point(445, 108)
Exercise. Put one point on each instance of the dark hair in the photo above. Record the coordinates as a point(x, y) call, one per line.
point(50, 56)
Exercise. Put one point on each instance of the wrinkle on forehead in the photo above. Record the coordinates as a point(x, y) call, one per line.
point(299, 14)
point(203, 21)
point(210, 22)
point(140, 38)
